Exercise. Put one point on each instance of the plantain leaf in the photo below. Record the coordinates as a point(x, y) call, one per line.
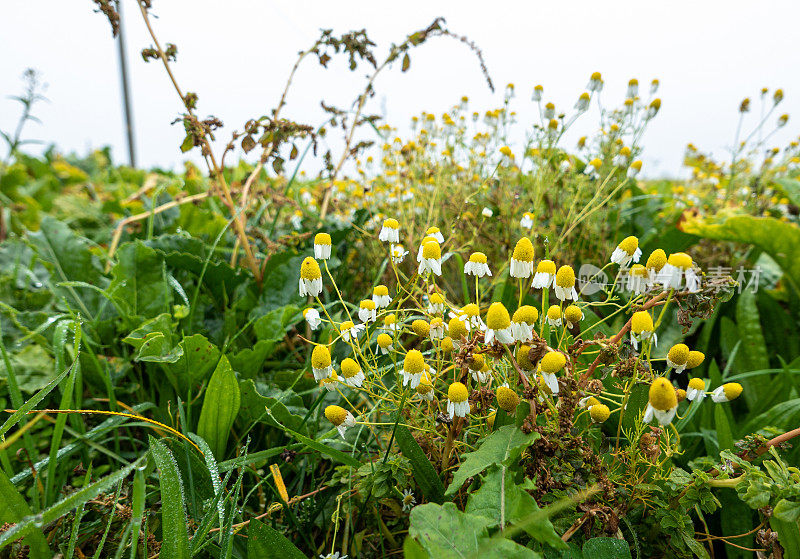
point(264, 542)
point(174, 524)
point(220, 406)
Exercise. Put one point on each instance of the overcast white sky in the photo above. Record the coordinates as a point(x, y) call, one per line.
point(236, 55)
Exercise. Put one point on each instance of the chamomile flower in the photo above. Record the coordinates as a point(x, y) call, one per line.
point(398, 254)
point(549, 111)
point(310, 278)
point(431, 258)
point(695, 359)
point(477, 266)
point(312, 317)
point(655, 263)
point(487, 212)
point(390, 322)
point(536, 96)
point(435, 233)
point(573, 315)
point(662, 402)
point(545, 275)
point(425, 239)
point(633, 89)
point(593, 167)
point(642, 328)
point(333, 555)
point(582, 104)
point(446, 344)
point(634, 169)
point(351, 371)
point(437, 328)
point(458, 330)
point(696, 390)
point(677, 357)
point(599, 413)
point(551, 363)
point(322, 246)
point(421, 327)
point(565, 284)
point(628, 250)
point(554, 316)
point(390, 232)
point(527, 221)
point(595, 82)
point(340, 417)
point(471, 314)
point(637, 279)
point(436, 304)
point(381, 297)
point(507, 399)
point(350, 331)
point(522, 259)
point(408, 500)
point(457, 400)
point(727, 392)
point(330, 383)
point(321, 362)
point(366, 311)
point(413, 367)
point(523, 322)
point(498, 325)
point(524, 360)
point(679, 270)
point(385, 343)
point(588, 402)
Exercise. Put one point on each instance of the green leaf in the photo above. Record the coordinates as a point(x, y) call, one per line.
point(788, 536)
point(198, 358)
point(15, 509)
point(501, 447)
point(518, 504)
point(424, 472)
point(174, 524)
point(778, 239)
point(791, 187)
point(748, 319)
point(269, 410)
point(606, 548)
point(786, 510)
point(724, 435)
point(274, 325)
point(31, 403)
point(445, 532)
point(249, 361)
point(264, 542)
point(139, 287)
point(337, 455)
point(32, 366)
point(220, 406)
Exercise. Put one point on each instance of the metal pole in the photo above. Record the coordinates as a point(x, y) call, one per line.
point(126, 94)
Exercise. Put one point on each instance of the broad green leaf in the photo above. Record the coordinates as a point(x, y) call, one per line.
point(518, 505)
point(791, 187)
point(174, 524)
point(249, 361)
point(264, 542)
point(736, 518)
point(788, 536)
point(413, 550)
point(198, 358)
point(270, 410)
point(33, 368)
point(754, 349)
point(220, 407)
point(139, 285)
point(15, 509)
point(606, 548)
point(501, 447)
point(424, 473)
point(273, 325)
point(336, 454)
point(724, 435)
point(778, 239)
point(786, 510)
point(446, 532)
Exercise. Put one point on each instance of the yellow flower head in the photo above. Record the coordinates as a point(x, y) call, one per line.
point(414, 363)
point(641, 322)
point(432, 231)
point(638, 270)
point(457, 328)
point(662, 395)
point(694, 359)
point(436, 299)
point(368, 304)
point(697, 384)
point(431, 250)
point(391, 223)
point(320, 357)
point(336, 414)
point(526, 314)
point(421, 328)
point(497, 317)
point(732, 390)
point(447, 344)
point(554, 312)
point(523, 358)
point(309, 269)
point(546, 267)
point(390, 320)
point(599, 413)
point(681, 394)
point(523, 251)
point(507, 399)
point(322, 239)
point(680, 260)
point(656, 260)
point(596, 163)
point(552, 362)
point(478, 257)
point(384, 340)
point(349, 368)
point(678, 354)
point(471, 310)
point(591, 401)
point(425, 384)
point(629, 245)
point(505, 150)
point(477, 362)
point(596, 76)
point(380, 291)
point(573, 314)
point(565, 277)
point(457, 393)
